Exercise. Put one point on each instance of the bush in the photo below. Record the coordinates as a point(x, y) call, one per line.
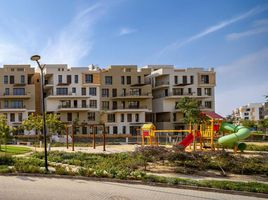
point(6, 160)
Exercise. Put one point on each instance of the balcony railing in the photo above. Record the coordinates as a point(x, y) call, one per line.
point(78, 106)
point(13, 107)
point(130, 94)
point(128, 107)
point(159, 83)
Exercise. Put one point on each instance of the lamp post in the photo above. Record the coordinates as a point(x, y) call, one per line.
point(37, 58)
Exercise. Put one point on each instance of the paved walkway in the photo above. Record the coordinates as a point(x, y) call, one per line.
point(28, 188)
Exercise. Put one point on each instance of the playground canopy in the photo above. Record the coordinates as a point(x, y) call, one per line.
point(212, 115)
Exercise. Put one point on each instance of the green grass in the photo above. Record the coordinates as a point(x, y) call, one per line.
point(13, 150)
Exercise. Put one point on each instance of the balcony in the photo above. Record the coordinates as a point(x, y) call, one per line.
point(16, 96)
point(131, 108)
point(19, 84)
point(13, 108)
point(75, 108)
point(134, 95)
point(67, 95)
point(161, 84)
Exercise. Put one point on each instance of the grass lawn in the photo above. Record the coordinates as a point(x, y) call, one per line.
point(13, 150)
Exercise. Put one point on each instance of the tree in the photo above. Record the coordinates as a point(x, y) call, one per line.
point(5, 130)
point(53, 123)
point(249, 123)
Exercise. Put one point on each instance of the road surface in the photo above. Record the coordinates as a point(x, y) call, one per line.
point(29, 188)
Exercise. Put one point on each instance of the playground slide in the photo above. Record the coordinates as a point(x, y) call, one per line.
point(187, 140)
point(240, 133)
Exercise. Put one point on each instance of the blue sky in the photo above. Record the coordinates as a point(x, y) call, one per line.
point(231, 36)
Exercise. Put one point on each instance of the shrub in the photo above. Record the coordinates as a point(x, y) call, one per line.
point(6, 160)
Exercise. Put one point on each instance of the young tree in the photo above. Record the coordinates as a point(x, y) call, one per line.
point(5, 130)
point(54, 124)
point(249, 123)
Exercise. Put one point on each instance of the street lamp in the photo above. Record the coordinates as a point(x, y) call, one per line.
point(37, 58)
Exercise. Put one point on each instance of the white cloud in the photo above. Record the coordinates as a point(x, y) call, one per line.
point(242, 81)
point(261, 22)
point(75, 41)
point(214, 28)
point(255, 31)
point(126, 31)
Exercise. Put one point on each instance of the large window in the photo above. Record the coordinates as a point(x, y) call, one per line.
point(59, 79)
point(89, 78)
point(176, 80)
point(184, 79)
point(69, 117)
point(108, 80)
point(208, 91)
point(199, 92)
point(192, 79)
point(20, 117)
point(6, 91)
point(204, 79)
point(114, 129)
point(105, 105)
point(105, 92)
point(111, 117)
point(69, 79)
point(124, 129)
point(91, 116)
point(208, 104)
point(18, 91)
point(129, 117)
point(137, 117)
point(12, 117)
point(122, 80)
point(83, 91)
point(75, 78)
point(128, 80)
point(114, 92)
point(134, 104)
point(93, 103)
point(62, 91)
point(122, 117)
point(5, 79)
point(92, 91)
point(22, 79)
point(11, 80)
point(16, 104)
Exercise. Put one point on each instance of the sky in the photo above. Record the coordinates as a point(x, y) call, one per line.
point(230, 36)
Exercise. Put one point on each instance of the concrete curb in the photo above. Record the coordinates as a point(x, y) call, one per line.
point(138, 182)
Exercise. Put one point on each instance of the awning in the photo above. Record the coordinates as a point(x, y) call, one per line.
point(212, 115)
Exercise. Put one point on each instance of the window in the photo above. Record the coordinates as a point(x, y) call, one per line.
point(75, 78)
point(122, 117)
point(69, 117)
point(166, 92)
point(114, 129)
point(204, 79)
point(6, 91)
point(124, 129)
point(122, 80)
point(84, 103)
point(22, 79)
point(89, 78)
point(128, 80)
point(114, 105)
point(105, 105)
point(135, 92)
point(16, 104)
point(5, 79)
point(59, 79)
point(83, 91)
point(12, 117)
point(92, 91)
point(190, 91)
point(20, 117)
point(69, 79)
point(199, 92)
point(192, 79)
point(93, 103)
point(208, 104)
point(114, 92)
point(139, 79)
point(178, 91)
point(91, 116)
point(18, 91)
point(73, 90)
point(184, 79)
point(84, 130)
point(75, 103)
point(111, 117)
point(176, 80)
point(108, 80)
point(208, 91)
point(174, 117)
point(11, 79)
point(137, 117)
point(62, 91)
point(6, 104)
point(105, 92)
point(129, 117)
point(134, 104)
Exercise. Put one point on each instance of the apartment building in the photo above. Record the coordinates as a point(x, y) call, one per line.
point(73, 93)
point(19, 93)
point(126, 98)
point(251, 111)
point(169, 84)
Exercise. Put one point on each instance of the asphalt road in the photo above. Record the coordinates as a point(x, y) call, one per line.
point(29, 188)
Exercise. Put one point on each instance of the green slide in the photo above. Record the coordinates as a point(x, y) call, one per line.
point(240, 133)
